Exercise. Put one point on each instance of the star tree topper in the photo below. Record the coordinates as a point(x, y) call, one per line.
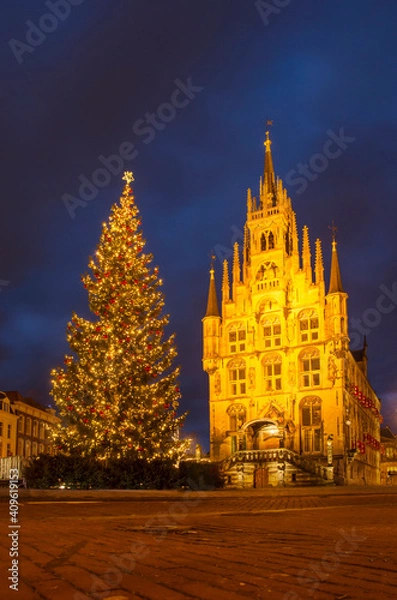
point(128, 176)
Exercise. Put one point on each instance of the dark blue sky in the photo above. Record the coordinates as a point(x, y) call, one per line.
point(81, 90)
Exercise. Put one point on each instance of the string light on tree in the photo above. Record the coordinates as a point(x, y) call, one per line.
point(118, 392)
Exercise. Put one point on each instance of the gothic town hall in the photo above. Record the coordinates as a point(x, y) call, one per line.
point(289, 402)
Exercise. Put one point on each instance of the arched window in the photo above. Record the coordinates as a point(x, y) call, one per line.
point(310, 368)
point(311, 424)
point(272, 333)
point(308, 326)
point(271, 240)
point(41, 429)
point(237, 336)
point(34, 449)
point(20, 424)
point(272, 372)
point(28, 430)
point(237, 378)
point(263, 242)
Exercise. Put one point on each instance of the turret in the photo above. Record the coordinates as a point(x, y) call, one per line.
point(212, 301)
point(211, 326)
point(335, 280)
point(336, 300)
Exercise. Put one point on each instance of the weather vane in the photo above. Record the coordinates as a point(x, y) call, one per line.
point(334, 229)
point(269, 123)
point(128, 176)
point(213, 258)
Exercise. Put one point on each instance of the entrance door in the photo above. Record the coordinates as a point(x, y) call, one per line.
point(261, 478)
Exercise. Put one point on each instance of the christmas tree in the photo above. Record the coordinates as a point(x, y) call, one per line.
point(118, 394)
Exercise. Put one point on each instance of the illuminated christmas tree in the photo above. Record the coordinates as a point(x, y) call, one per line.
point(118, 395)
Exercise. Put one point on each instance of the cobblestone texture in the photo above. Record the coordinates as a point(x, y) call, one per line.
point(210, 546)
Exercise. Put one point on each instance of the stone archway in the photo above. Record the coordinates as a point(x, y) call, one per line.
point(266, 433)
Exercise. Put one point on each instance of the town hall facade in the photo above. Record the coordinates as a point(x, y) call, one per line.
point(289, 402)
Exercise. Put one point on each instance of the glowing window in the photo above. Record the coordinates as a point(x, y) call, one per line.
point(237, 340)
point(308, 327)
point(272, 334)
point(311, 425)
point(310, 369)
point(237, 379)
point(272, 373)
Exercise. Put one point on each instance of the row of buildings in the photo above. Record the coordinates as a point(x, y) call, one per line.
point(288, 399)
point(25, 426)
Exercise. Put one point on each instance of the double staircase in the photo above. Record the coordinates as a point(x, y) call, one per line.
point(281, 467)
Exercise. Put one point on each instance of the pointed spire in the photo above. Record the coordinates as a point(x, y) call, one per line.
point(269, 178)
point(319, 265)
point(268, 173)
point(306, 255)
point(225, 282)
point(249, 201)
point(212, 302)
point(236, 265)
point(335, 281)
point(295, 237)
